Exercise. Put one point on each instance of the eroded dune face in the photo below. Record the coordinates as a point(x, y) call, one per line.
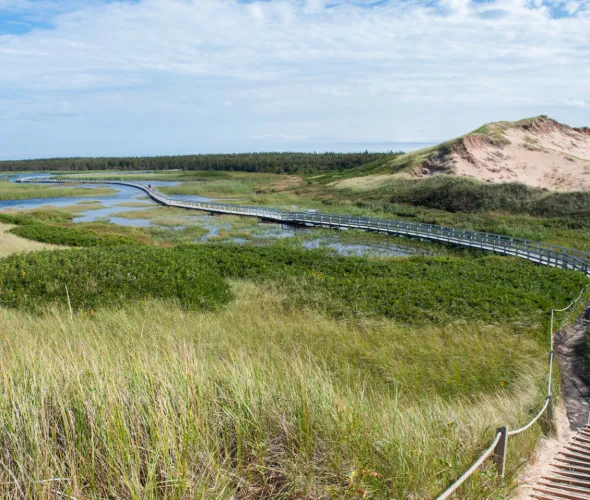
point(542, 153)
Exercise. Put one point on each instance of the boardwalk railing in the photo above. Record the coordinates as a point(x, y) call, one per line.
point(541, 253)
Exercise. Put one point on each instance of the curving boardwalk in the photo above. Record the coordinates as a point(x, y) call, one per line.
point(570, 476)
point(540, 253)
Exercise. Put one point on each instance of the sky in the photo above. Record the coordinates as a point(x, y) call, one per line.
point(151, 77)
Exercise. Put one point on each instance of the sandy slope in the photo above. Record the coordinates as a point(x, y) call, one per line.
point(539, 152)
point(547, 155)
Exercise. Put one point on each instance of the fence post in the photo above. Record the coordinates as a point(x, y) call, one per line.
point(550, 417)
point(501, 451)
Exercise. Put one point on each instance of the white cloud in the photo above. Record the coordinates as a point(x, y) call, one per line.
point(301, 63)
point(576, 103)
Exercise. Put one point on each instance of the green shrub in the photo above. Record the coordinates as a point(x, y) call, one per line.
point(73, 237)
point(99, 277)
point(48, 226)
point(415, 290)
point(459, 194)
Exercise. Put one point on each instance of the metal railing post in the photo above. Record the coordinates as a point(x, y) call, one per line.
point(501, 450)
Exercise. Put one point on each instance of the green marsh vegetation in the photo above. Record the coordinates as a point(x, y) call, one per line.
point(56, 227)
point(13, 191)
point(508, 209)
point(220, 371)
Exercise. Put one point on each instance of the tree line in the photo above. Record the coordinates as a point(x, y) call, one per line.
point(290, 163)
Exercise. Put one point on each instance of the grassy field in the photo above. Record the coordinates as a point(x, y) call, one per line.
point(12, 191)
point(287, 374)
point(254, 401)
point(220, 371)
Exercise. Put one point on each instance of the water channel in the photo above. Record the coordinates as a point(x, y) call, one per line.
point(105, 208)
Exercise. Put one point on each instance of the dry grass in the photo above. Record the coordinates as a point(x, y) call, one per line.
point(13, 191)
point(133, 204)
point(368, 182)
point(10, 243)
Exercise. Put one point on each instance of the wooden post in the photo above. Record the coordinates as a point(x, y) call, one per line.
point(550, 417)
point(501, 451)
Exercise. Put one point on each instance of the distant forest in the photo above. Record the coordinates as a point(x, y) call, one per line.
point(289, 163)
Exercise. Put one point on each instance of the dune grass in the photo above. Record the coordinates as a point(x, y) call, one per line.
point(311, 377)
point(253, 401)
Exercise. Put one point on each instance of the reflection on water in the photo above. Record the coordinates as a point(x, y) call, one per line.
point(104, 213)
point(122, 221)
point(124, 194)
point(334, 244)
point(260, 233)
point(362, 249)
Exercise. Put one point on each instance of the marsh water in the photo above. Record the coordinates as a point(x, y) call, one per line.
point(229, 229)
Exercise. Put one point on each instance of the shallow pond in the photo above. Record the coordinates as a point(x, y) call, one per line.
point(124, 194)
point(245, 232)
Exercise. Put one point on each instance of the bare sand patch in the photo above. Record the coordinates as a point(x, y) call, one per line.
point(545, 451)
point(556, 158)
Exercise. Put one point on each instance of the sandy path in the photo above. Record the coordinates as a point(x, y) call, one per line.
point(545, 451)
point(575, 381)
point(573, 410)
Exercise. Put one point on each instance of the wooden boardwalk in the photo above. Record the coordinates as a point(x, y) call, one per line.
point(535, 251)
point(570, 476)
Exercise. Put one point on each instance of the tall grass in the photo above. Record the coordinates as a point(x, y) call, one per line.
point(11, 191)
point(253, 401)
point(220, 187)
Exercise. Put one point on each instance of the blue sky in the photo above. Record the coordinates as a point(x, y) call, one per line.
point(145, 77)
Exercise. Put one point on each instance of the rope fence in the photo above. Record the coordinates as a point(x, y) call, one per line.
point(499, 447)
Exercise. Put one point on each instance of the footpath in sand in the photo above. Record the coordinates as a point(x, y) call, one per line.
point(571, 415)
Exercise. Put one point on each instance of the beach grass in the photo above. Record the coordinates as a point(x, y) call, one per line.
point(254, 401)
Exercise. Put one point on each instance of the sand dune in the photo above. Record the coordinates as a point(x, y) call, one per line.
point(539, 153)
